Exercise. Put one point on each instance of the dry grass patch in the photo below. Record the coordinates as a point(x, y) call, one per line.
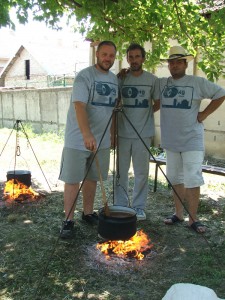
point(36, 264)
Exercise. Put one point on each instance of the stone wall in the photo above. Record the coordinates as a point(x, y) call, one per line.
point(46, 110)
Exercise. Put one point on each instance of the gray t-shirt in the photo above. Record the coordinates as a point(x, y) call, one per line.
point(179, 106)
point(100, 92)
point(137, 93)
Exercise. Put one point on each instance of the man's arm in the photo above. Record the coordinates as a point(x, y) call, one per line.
point(122, 73)
point(213, 105)
point(156, 105)
point(82, 119)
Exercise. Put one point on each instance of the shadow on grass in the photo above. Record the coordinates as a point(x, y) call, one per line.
point(36, 264)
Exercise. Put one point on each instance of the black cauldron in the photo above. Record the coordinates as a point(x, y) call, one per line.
point(121, 224)
point(22, 176)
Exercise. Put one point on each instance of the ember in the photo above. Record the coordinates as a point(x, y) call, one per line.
point(134, 247)
point(15, 190)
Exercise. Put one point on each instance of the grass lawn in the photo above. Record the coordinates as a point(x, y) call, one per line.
point(36, 264)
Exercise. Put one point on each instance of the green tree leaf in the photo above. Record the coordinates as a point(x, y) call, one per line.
point(197, 25)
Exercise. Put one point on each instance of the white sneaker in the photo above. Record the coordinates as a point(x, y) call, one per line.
point(140, 214)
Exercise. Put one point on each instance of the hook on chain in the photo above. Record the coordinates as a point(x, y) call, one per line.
point(18, 152)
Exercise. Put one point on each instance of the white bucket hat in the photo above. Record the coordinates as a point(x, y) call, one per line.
point(188, 291)
point(178, 52)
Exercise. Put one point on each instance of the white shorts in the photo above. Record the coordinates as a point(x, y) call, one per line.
point(185, 168)
point(77, 165)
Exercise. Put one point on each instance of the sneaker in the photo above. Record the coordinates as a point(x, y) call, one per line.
point(140, 214)
point(92, 219)
point(66, 231)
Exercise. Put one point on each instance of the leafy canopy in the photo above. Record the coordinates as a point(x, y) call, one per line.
point(197, 25)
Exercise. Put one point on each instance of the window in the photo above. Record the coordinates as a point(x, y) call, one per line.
point(27, 69)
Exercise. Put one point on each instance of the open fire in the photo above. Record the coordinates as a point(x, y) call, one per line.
point(16, 190)
point(134, 247)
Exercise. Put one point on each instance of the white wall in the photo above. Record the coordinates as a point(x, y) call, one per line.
point(46, 110)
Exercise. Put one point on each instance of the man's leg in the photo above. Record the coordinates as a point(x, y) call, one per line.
point(70, 199)
point(70, 194)
point(178, 201)
point(90, 183)
point(193, 179)
point(123, 165)
point(140, 160)
point(174, 170)
point(72, 169)
point(192, 196)
point(88, 191)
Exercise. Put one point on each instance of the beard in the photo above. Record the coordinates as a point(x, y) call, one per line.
point(177, 73)
point(104, 66)
point(135, 67)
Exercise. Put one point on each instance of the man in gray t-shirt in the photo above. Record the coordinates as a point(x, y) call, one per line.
point(182, 132)
point(94, 96)
point(139, 100)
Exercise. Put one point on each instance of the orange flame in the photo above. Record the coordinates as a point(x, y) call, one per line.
point(14, 189)
point(135, 246)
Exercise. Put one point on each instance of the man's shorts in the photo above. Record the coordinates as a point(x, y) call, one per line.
point(77, 165)
point(185, 168)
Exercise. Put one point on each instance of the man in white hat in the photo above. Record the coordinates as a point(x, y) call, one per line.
point(182, 132)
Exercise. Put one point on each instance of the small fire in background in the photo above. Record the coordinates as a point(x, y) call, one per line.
point(16, 190)
point(134, 247)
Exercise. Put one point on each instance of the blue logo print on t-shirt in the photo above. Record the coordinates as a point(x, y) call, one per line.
point(136, 96)
point(105, 94)
point(177, 97)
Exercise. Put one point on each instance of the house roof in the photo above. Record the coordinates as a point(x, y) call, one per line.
point(11, 62)
point(58, 60)
point(54, 59)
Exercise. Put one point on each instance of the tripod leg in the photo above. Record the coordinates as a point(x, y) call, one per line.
point(156, 177)
point(14, 126)
point(34, 153)
point(157, 165)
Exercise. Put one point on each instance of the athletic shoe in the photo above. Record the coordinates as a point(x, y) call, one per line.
point(140, 214)
point(66, 231)
point(91, 219)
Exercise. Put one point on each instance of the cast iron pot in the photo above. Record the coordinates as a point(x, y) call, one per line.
point(21, 175)
point(121, 224)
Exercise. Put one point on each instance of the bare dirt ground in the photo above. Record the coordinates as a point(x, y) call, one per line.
point(74, 268)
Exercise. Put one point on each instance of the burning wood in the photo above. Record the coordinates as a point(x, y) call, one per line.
point(134, 247)
point(15, 190)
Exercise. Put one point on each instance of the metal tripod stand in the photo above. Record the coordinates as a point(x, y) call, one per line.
point(19, 126)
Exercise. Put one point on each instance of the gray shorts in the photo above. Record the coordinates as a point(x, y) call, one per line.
point(77, 165)
point(185, 168)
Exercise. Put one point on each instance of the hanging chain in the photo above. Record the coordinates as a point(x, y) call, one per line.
point(18, 152)
point(17, 147)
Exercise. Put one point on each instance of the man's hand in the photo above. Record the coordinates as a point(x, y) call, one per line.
point(201, 117)
point(90, 142)
point(213, 105)
point(122, 74)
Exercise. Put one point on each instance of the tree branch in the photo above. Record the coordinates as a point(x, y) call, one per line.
point(116, 24)
point(75, 3)
point(180, 22)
